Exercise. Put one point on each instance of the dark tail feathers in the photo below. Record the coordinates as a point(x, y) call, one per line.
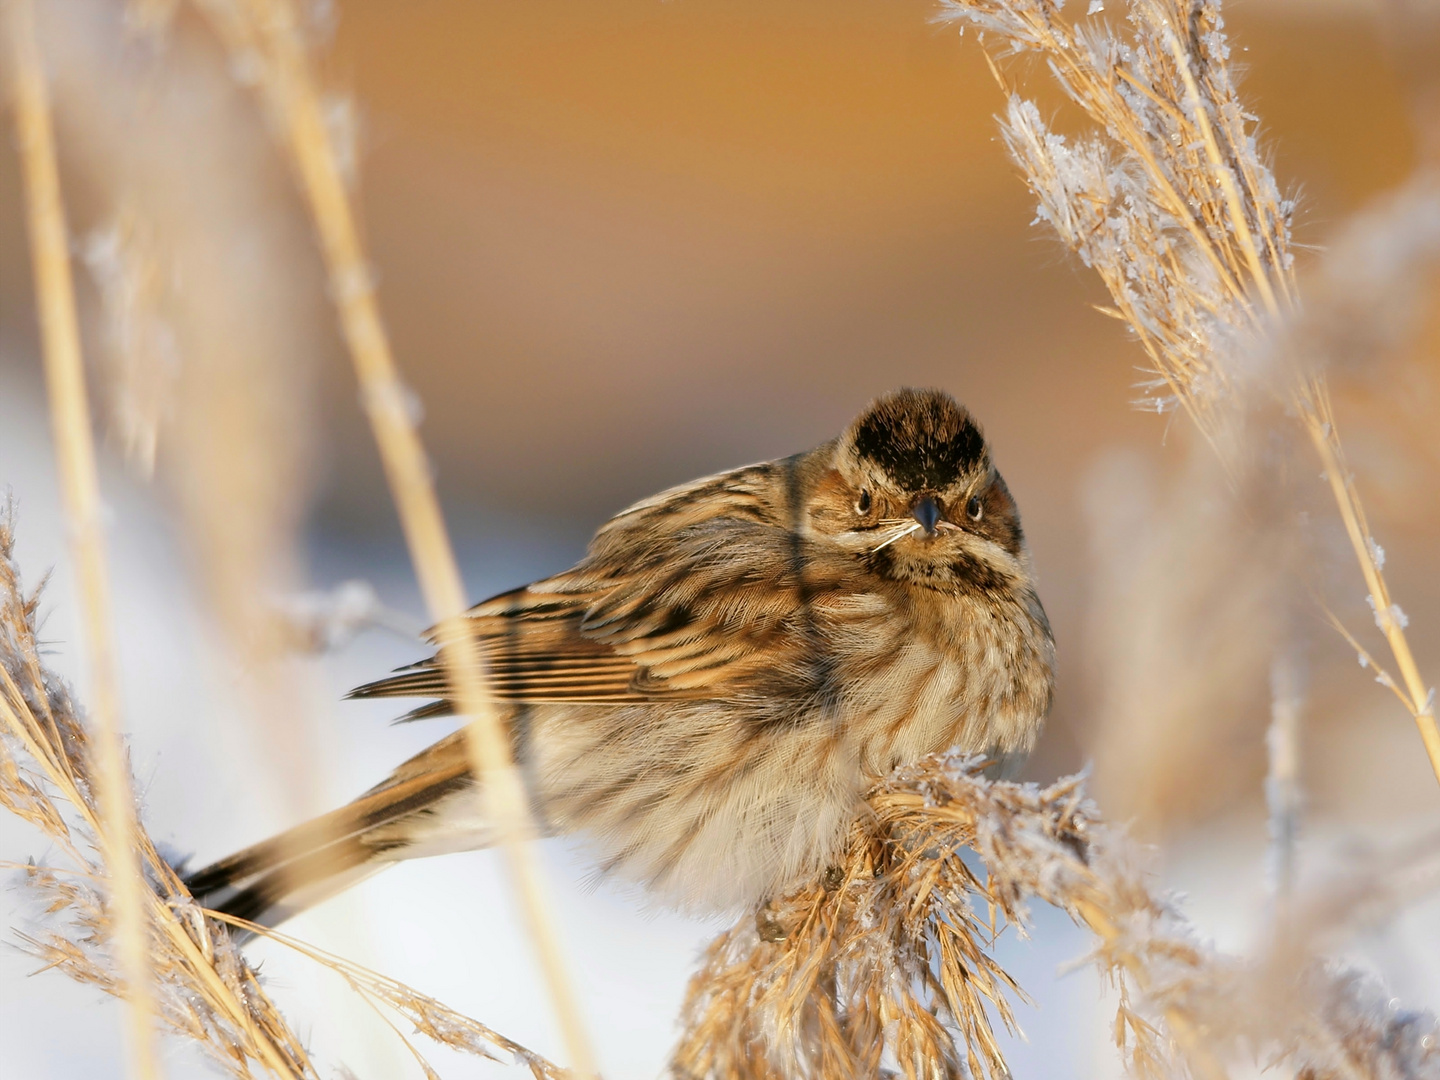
point(280, 877)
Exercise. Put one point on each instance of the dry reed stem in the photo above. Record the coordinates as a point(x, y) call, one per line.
point(75, 457)
point(1168, 198)
point(883, 963)
point(268, 30)
point(192, 246)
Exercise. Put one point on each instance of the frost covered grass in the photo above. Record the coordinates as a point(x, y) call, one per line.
point(885, 964)
point(1170, 199)
point(201, 985)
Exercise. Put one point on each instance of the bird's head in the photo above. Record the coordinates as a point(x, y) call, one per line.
point(913, 492)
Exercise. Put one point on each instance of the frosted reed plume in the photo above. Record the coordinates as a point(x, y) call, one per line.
point(884, 964)
point(203, 987)
point(205, 990)
point(141, 356)
point(1169, 198)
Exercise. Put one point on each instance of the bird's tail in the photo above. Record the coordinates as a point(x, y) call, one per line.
point(280, 877)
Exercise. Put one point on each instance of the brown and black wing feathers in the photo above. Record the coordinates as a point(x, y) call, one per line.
point(703, 592)
point(533, 650)
point(691, 594)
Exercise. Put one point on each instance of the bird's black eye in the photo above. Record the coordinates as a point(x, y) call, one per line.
point(975, 508)
point(862, 504)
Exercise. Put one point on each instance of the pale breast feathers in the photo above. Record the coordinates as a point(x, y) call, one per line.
point(703, 591)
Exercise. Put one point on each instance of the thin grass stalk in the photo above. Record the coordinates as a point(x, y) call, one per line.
point(296, 102)
point(75, 457)
point(1420, 700)
point(1282, 780)
point(429, 1016)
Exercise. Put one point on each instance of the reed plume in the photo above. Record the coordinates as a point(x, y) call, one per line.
point(884, 966)
point(1169, 197)
point(203, 987)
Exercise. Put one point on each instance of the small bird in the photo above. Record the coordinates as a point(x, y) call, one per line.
point(707, 695)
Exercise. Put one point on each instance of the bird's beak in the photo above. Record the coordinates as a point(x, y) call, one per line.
point(927, 512)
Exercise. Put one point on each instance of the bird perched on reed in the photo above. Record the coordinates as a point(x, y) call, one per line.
point(708, 693)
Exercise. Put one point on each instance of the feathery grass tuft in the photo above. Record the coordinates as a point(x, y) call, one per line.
point(205, 989)
point(1169, 198)
point(884, 966)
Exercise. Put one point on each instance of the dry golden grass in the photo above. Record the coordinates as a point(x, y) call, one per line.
point(270, 32)
point(885, 966)
point(1168, 197)
point(203, 987)
point(886, 963)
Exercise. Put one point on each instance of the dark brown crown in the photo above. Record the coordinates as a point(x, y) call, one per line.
point(922, 439)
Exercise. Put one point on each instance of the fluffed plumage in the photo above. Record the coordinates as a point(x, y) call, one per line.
point(706, 695)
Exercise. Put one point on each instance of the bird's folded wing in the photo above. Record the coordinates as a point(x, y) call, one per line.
point(731, 602)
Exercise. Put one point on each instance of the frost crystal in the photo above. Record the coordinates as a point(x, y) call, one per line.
point(1392, 614)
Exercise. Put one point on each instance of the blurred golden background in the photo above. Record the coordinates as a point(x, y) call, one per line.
point(623, 243)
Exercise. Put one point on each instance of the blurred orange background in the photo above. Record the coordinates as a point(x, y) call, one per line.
point(622, 243)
